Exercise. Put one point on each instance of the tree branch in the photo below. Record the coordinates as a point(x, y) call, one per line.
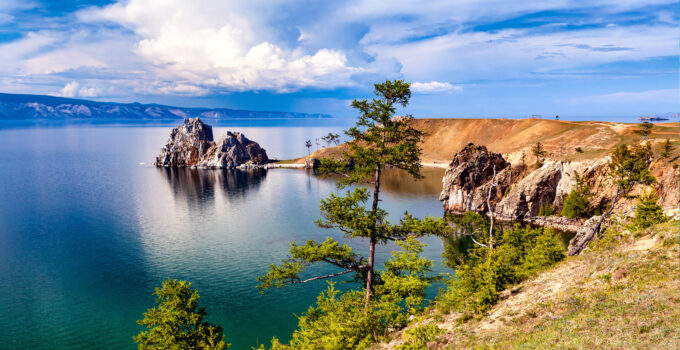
point(332, 275)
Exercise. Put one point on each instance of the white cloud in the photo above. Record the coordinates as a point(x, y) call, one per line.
point(70, 89)
point(435, 87)
point(196, 48)
point(213, 44)
point(514, 53)
point(73, 89)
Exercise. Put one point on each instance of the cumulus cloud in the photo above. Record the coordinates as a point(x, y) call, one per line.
point(181, 47)
point(435, 87)
point(212, 45)
point(73, 89)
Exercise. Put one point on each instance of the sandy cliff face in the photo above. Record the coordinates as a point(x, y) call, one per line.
point(191, 145)
point(521, 192)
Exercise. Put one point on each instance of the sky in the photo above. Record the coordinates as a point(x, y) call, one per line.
point(594, 59)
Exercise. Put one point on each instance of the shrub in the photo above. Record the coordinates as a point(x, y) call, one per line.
point(546, 210)
point(578, 201)
point(418, 337)
point(485, 272)
point(578, 149)
point(648, 212)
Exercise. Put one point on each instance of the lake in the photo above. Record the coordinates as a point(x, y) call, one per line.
point(88, 229)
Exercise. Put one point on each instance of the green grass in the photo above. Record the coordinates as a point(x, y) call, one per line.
point(622, 294)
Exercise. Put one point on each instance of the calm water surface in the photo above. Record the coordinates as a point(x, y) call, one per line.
point(88, 229)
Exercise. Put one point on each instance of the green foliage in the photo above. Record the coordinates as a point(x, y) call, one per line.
point(341, 321)
point(177, 321)
point(667, 149)
point(403, 283)
point(350, 215)
point(331, 138)
point(418, 337)
point(648, 213)
point(378, 140)
point(329, 251)
point(546, 210)
point(485, 272)
point(630, 166)
point(344, 320)
point(577, 203)
point(539, 153)
point(579, 149)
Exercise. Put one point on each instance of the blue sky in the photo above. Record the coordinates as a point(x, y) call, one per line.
point(598, 59)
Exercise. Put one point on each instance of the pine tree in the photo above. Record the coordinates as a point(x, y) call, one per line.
point(645, 129)
point(177, 321)
point(628, 166)
point(578, 201)
point(539, 153)
point(308, 144)
point(648, 212)
point(378, 141)
point(667, 149)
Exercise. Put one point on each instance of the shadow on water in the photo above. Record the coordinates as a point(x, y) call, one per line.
point(199, 186)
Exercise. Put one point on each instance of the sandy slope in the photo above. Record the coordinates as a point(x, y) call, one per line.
point(512, 136)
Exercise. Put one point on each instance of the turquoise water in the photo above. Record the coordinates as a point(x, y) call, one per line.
point(88, 229)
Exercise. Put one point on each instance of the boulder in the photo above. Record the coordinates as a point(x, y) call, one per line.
point(191, 145)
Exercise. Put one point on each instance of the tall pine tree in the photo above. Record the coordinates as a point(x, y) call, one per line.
point(378, 140)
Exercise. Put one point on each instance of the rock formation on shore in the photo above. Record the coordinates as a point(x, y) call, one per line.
point(521, 192)
point(191, 145)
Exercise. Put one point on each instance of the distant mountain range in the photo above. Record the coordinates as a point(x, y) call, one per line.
point(14, 106)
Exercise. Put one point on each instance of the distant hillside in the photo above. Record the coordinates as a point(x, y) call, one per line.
point(511, 137)
point(14, 106)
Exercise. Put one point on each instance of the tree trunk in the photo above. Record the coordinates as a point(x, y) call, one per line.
point(371, 247)
point(596, 229)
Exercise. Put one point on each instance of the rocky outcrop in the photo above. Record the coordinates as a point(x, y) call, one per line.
point(519, 193)
point(470, 168)
point(187, 145)
point(530, 193)
point(191, 145)
point(312, 163)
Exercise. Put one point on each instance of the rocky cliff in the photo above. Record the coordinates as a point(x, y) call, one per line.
point(191, 145)
point(521, 192)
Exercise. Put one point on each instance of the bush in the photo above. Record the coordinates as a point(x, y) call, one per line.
point(579, 149)
point(648, 212)
point(518, 254)
point(578, 201)
point(546, 210)
point(418, 337)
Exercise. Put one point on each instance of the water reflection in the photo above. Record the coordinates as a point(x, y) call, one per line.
point(398, 182)
point(199, 186)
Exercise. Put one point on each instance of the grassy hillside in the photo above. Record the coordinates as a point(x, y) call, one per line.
point(511, 136)
point(622, 294)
